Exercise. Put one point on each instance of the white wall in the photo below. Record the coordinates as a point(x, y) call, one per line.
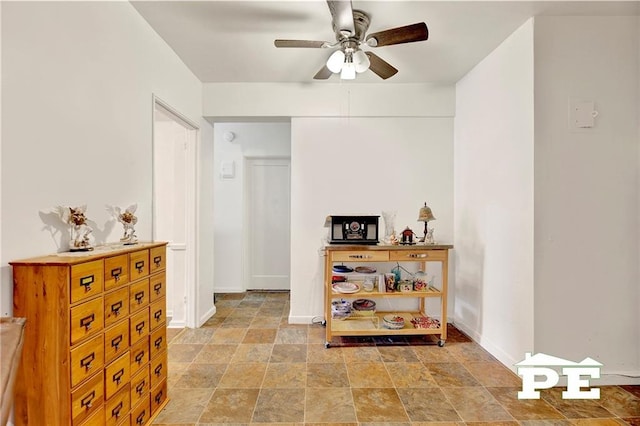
point(205, 226)
point(362, 166)
point(77, 85)
point(586, 192)
point(251, 140)
point(493, 174)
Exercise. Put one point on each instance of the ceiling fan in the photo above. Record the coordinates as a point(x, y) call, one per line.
point(350, 27)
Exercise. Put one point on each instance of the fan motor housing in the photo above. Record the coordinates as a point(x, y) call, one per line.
point(361, 22)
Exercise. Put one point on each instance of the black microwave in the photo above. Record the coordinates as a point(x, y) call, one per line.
point(354, 230)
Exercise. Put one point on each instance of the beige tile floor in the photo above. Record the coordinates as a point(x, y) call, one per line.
point(247, 365)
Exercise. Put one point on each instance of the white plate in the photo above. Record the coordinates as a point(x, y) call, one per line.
point(346, 287)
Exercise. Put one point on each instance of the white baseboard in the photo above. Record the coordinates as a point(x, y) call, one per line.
point(211, 312)
point(227, 290)
point(305, 319)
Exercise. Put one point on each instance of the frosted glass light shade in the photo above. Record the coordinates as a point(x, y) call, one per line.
point(348, 71)
point(335, 61)
point(361, 61)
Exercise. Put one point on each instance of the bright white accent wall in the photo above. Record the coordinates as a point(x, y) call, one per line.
point(586, 193)
point(251, 140)
point(493, 215)
point(77, 86)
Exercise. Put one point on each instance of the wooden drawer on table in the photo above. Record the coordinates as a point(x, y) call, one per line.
point(86, 319)
point(141, 413)
point(116, 305)
point(86, 280)
point(116, 375)
point(116, 409)
point(158, 342)
point(116, 271)
point(86, 359)
point(158, 396)
point(158, 369)
point(139, 295)
point(87, 399)
point(116, 340)
point(158, 314)
point(97, 419)
point(140, 385)
point(138, 264)
point(138, 326)
point(417, 255)
point(157, 259)
point(140, 355)
point(157, 286)
point(360, 256)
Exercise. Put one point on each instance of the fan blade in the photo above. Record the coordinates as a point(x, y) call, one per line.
point(342, 16)
point(406, 34)
point(380, 66)
point(323, 74)
point(299, 43)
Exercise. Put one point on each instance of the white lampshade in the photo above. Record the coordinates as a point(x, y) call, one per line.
point(348, 71)
point(335, 61)
point(361, 61)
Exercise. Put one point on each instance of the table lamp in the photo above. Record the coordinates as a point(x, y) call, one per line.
point(425, 215)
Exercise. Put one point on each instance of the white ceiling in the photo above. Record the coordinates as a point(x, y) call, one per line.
point(232, 41)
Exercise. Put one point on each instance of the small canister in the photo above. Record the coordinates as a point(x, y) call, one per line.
point(420, 281)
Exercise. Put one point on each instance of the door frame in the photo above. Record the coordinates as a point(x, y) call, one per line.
point(192, 202)
point(246, 241)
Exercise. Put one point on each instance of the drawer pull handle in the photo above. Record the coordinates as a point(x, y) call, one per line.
point(116, 410)
point(87, 360)
point(115, 273)
point(140, 266)
point(158, 342)
point(87, 401)
point(118, 376)
point(360, 256)
point(157, 260)
point(139, 296)
point(139, 356)
point(140, 418)
point(158, 315)
point(140, 387)
point(158, 370)
point(417, 255)
point(157, 287)
point(158, 397)
point(140, 327)
point(115, 308)
point(115, 342)
point(86, 282)
point(86, 321)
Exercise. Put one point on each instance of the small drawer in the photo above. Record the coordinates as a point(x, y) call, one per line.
point(158, 342)
point(157, 260)
point(116, 306)
point(116, 409)
point(360, 256)
point(157, 286)
point(138, 326)
point(86, 319)
point(138, 264)
point(116, 271)
point(140, 385)
point(418, 255)
point(116, 375)
point(158, 396)
point(87, 399)
point(97, 419)
point(158, 369)
point(86, 280)
point(139, 295)
point(116, 340)
point(140, 354)
point(86, 359)
point(158, 315)
point(141, 413)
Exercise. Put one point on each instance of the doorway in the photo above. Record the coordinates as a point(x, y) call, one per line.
point(267, 221)
point(174, 208)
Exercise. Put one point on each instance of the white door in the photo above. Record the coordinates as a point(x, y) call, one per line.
point(267, 224)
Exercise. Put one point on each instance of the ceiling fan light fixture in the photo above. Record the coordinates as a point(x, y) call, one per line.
point(348, 71)
point(335, 61)
point(360, 61)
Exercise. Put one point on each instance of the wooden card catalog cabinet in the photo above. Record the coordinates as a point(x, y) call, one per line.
point(95, 348)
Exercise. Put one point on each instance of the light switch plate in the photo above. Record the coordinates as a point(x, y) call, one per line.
point(582, 114)
point(227, 170)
